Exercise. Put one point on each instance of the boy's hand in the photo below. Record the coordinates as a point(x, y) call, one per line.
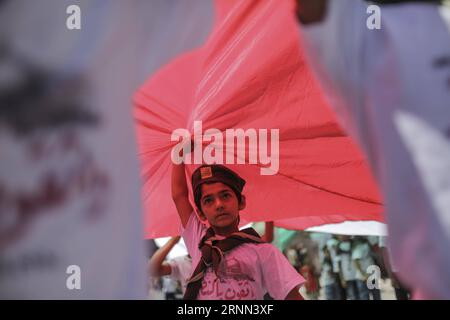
point(268, 232)
point(157, 267)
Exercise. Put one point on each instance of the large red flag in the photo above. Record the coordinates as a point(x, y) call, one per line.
point(251, 75)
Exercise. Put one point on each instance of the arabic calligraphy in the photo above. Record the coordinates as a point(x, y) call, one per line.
point(230, 283)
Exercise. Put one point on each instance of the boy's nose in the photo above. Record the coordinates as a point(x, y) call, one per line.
point(219, 204)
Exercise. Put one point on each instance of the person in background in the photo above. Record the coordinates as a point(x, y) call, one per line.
point(169, 287)
point(302, 253)
point(332, 246)
point(347, 268)
point(362, 259)
point(155, 289)
point(177, 269)
point(292, 256)
point(329, 281)
point(312, 286)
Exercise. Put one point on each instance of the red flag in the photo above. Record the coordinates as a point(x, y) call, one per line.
point(251, 75)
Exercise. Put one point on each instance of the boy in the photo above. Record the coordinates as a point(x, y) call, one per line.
point(347, 268)
point(228, 264)
point(178, 269)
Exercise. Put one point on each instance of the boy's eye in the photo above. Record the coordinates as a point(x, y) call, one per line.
point(226, 195)
point(207, 201)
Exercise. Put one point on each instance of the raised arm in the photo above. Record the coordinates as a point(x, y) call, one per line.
point(180, 193)
point(268, 232)
point(157, 266)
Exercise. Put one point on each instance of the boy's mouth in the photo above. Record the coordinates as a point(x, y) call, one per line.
point(221, 215)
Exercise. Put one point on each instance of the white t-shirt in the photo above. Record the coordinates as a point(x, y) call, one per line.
point(361, 252)
point(169, 284)
point(246, 272)
point(347, 267)
point(292, 257)
point(326, 276)
point(331, 245)
point(391, 90)
point(181, 270)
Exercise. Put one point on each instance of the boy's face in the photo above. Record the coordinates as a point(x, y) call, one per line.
point(220, 205)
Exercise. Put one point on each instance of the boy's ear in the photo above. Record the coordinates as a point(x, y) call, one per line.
point(243, 203)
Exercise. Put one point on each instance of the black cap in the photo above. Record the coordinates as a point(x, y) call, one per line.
point(215, 173)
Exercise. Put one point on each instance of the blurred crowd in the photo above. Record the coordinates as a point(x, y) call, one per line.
point(346, 268)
